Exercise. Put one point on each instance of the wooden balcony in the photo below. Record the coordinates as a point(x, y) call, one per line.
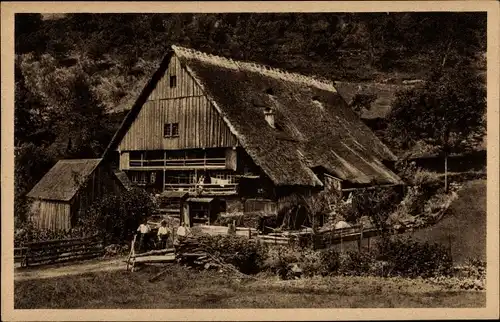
point(207, 189)
point(178, 164)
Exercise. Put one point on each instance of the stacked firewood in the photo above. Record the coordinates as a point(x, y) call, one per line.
point(191, 253)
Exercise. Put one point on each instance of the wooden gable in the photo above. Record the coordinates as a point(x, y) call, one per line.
point(177, 100)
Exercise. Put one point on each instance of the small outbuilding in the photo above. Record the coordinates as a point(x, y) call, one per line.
point(68, 189)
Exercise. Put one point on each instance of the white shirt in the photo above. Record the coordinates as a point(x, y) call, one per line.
point(163, 231)
point(181, 231)
point(144, 229)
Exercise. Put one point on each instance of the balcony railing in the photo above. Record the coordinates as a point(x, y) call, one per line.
point(212, 163)
point(204, 189)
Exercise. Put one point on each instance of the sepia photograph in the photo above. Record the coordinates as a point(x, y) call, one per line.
point(249, 160)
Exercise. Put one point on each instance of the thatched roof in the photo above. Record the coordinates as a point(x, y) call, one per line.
point(64, 179)
point(315, 127)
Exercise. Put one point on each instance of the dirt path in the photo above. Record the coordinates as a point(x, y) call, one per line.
point(21, 274)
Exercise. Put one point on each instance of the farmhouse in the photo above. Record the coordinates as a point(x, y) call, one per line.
point(238, 136)
point(68, 189)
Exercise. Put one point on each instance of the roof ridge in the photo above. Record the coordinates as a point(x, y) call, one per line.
point(320, 83)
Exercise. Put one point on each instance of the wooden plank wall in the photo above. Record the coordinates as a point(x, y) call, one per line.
point(58, 215)
point(51, 215)
point(199, 123)
point(124, 160)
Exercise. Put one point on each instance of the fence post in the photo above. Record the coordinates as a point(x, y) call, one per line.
point(27, 256)
point(360, 239)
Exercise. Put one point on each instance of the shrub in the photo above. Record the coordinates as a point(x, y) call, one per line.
point(117, 216)
point(28, 233)
point(427, 182)
point(413, 201)
point(377, 204)
point(406, 169)
point(474, 269)
point(354, 263)
point(410, 258)
point(330, 259)
point(399, 257)
point(280, 261)
point(311, 262)
point(246, 255)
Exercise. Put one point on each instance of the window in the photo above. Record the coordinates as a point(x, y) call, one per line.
point(173, 81)
point(171, 130)
point(222, 176)
point(175, 129)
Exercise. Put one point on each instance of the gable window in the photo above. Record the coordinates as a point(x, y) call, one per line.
point(173, 81)
point(171, 130)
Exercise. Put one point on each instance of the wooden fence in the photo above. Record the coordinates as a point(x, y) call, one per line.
point(224, 230)
point(322, 238)
point(57, 251)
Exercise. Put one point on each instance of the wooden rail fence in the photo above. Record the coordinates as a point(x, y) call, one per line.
point(323, 238)
point(57, 251)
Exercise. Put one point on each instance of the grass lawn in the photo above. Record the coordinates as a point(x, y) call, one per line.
point(464, 226)
point(184, 288)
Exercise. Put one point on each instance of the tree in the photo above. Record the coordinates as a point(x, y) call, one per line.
point(28, 114)
point(31, 162)
point(447, 113)
point(117, 215)
point(377, 204)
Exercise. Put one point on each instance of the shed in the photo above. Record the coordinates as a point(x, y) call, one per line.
point(172, 202)
point(67, 189)
point(201, 210)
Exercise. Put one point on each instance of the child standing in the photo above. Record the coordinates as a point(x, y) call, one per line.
point(143, 230)
point(163, 234)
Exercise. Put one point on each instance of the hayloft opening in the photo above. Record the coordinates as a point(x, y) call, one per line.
point(173, 81)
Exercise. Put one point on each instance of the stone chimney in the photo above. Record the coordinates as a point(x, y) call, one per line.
point(269, 116)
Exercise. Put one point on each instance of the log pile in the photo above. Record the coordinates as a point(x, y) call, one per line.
point(190, 252)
